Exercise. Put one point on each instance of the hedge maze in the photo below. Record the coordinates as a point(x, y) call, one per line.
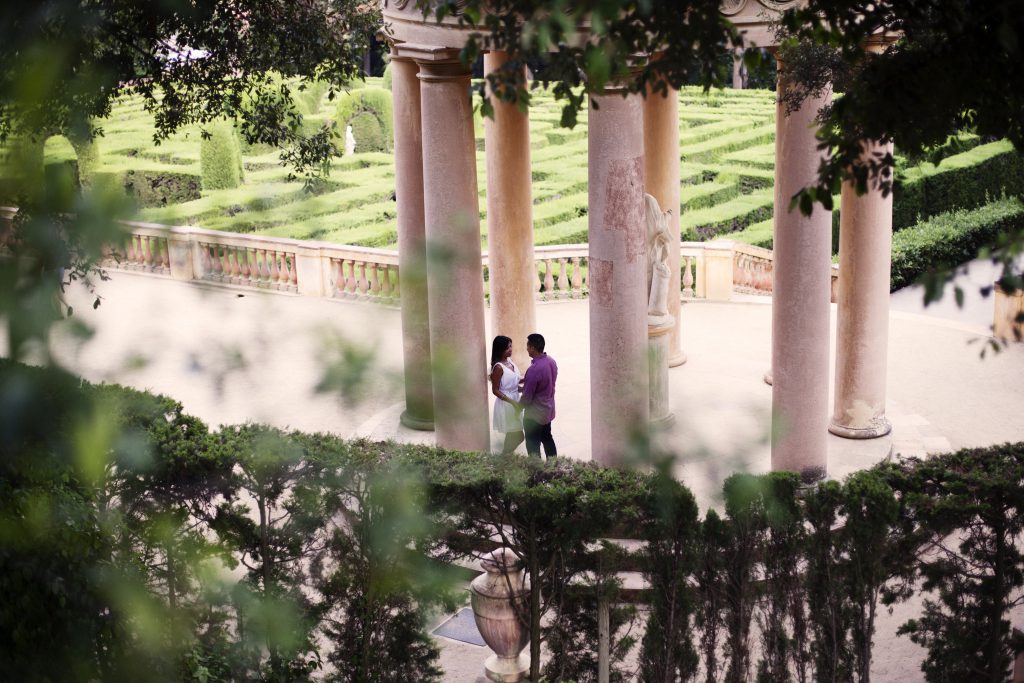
point(726, 172)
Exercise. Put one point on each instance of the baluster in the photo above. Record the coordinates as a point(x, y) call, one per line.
point(549, 280)
point(687, 279)
point(152, 256)
point(293, 273)
point(243, 264)
point(285, 271)
point(563, 278)
point(363, 284)
point(268, 265)
point(218, 267)
point(165, 254)
point(129, 250)
point(204, 250)
point(398, 289)
point(385, 281)
point(374, 285)
point(577, 277)
point(585, 287)
point(698, 276)
point(540, 278)
point(350, 279)
point(275, 274)
point(233, 269)
point(138, 257)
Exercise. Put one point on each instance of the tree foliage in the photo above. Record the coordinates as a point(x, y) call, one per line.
point(63, 62)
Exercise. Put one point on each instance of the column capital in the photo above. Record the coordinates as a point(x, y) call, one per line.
point(432, 71)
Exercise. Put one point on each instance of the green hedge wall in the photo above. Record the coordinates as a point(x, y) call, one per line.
point(962, 181)
point(220, 158)
point(951, 239)
point(374, 101)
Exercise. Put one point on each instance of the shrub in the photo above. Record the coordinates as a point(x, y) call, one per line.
point(951, 239)
point(368, 133)
point(220, 158)
point(373, 101)
point(155, 188)
point(387, 77)
point(961, 181)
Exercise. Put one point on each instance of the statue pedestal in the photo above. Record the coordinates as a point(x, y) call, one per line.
point(659, 329)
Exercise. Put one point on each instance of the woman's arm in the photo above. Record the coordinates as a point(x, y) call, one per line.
point(496, 372)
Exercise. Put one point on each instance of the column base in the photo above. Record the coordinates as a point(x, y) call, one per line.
point(677, 360)
point(411, 421)
point(664, 422)
point(879, 427)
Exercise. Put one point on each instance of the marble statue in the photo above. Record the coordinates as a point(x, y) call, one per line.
point(659, 241)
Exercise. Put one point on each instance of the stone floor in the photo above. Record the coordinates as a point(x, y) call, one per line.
point(238, 355)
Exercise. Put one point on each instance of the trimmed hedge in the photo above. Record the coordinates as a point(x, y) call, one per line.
point(104, 486)
point(951, 239)
point(220, 158)
point(367, 131)
point(373, 101)
point(961, 181)
point(151, 188)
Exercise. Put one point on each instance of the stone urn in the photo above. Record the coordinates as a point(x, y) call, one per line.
point(496, 595)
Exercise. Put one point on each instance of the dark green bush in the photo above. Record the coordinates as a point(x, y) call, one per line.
point(951, 239)
point(220, 158)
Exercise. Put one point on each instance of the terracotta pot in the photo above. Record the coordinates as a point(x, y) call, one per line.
point(495, 596)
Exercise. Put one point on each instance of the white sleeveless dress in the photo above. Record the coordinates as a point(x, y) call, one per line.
point(506, 417)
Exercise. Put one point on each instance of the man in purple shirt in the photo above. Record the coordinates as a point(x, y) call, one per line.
point(538, 398)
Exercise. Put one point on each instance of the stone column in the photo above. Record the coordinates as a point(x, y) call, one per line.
point(454, 278)
point(619, 384)
point(513, 273)
point(739, 69)
point(661, 170)
point(862, 332)
point(800, 302)
point(412, 246)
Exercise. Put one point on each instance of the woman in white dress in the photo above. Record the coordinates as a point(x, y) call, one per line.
point(505, 379)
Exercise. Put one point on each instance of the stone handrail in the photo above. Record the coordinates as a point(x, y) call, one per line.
point(714, 270)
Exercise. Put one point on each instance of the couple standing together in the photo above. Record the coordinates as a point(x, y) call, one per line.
point(524, 403)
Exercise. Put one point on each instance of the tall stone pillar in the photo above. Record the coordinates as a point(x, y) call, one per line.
point(801, 297)
point(619, 383)
point(454, 279)
point(661, 170)
point(513, 274)
point(862, 332)
point(412, 246)
point(739, 69)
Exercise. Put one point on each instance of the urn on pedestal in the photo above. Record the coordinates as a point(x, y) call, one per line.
point(500, 607)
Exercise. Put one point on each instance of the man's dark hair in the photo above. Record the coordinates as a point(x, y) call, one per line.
point(536, 341)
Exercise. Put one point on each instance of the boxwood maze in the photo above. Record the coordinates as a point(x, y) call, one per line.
point(726, 173)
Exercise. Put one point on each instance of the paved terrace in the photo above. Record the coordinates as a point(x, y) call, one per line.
point(236, 355)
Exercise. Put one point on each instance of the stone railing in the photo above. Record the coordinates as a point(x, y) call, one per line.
point(715, 271)
point(255, 261)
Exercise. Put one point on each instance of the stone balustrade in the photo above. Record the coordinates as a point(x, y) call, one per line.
point(713, 270)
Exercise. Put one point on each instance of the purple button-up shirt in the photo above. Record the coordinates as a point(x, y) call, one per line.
point(539, 389)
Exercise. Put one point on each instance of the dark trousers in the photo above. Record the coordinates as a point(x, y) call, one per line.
point(537, 434)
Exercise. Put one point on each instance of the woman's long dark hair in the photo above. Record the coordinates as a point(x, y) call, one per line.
point(498, 348)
